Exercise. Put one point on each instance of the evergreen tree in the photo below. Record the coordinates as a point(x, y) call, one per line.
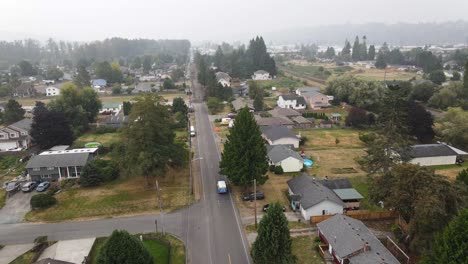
point(244, 155)
point(450, 245)
point(437, 77)
point(465, 81)
point(50, 128)
point(82, 79)
point(121, 247)
point(420, 123)
point(346, 51)
point(356, 50)
point(13, 112)
point(380, 63)
point(178, 105)
point(463, 176)
point(363, 49)
point(219, 59)
point(258, 102)
point(127, 107)
point(273, 243)
point(371, 54)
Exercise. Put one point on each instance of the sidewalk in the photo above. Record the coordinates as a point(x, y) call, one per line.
point(11, 252)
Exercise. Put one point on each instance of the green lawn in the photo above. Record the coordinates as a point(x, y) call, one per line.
point(303, 249)
point(310, 71)
point(160, 252)
point(361, 184)
point(26, 258)
point(319, 139)
point(105, 139)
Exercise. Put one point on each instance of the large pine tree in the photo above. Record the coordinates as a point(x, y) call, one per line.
point(244, 155)
point(13, 112)
point(356, 50)
point(371, 54)
point(273, 243)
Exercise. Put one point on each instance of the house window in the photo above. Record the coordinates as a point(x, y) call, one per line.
point(12, 135)
point(2, 136)
point(36, 169)
point(50, 168)
point(46, 176)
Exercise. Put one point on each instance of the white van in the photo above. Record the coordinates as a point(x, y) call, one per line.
point(192, 131)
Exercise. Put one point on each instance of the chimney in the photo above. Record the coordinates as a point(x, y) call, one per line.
point(366, 247)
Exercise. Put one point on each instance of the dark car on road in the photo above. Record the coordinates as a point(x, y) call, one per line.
point(265, 208)
point(250, 196)
point(43, 186)
point(29, 186)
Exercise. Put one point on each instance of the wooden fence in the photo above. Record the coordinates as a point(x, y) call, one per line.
point(358, 214)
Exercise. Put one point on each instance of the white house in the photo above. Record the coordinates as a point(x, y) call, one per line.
point(223, 78)
point(279, 135)
point(261, 75)
point(291, 101)
point(434, 154)
point(312, 198)
point(52, 91)
point(286, 157)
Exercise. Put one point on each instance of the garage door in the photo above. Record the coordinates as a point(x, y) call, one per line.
point(7, 145)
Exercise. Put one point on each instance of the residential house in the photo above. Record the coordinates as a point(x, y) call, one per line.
point(326, 124)
point(286, 157)
point(148, 78)
point(261, 75)
point(434, 154)
point(223, 78)
point(240, 103)
point(291, 101)
point(343, 189)
point(302, 122)
point(274, 121)
point(145, 88)
point(284, 112)
point(314, 98)
point(25, 89)
point(60, 164)
point(335, 117)
point(111, 108)
point(349, 241)
point(99, 85)
point(52, 91)
point(40, 90)
point(114, 121)
point(16, 135)
point(279, 135)
point(312, 198)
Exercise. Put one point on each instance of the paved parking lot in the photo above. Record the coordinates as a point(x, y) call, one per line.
point(16, 208)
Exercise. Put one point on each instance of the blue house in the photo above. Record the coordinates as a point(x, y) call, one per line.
point(99, 83)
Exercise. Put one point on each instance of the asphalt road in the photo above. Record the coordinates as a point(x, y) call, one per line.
point(211, 228)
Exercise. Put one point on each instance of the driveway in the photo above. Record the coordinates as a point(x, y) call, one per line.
point(16, 208)
point(73, 251)
point(11, 252)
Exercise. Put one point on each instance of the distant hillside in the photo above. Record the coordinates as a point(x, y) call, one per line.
point(377, 33)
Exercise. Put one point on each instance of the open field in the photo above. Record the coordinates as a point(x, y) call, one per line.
point(122, 197)
point(335, 163)
point(380, 75)
point(319, 139)
point(280, 82)
point(450, 171)
point(303, 249)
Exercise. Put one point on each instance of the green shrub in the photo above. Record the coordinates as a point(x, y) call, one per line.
point(271, 168)
point(42, 201)
point(105, 129)
point(278, 170)
point(121, 247)
point(40, 239)
point(53, 189)
point(67, 183)
point(98, 171)
point(303, 140)
point(367, 137)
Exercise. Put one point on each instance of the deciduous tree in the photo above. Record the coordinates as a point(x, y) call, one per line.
point(13, 112)
point(420, 123)
point(82, 78)
point(453, 127)
point(121, 247)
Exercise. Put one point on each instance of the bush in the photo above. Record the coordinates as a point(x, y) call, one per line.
point(53, 189)
point(42, 201)
point(98, 171)
point(316, 115)
point(303, 140)
point(367, 137)
point(121, 247)
point(272, 168)
point(67, 183)
point(279, 170)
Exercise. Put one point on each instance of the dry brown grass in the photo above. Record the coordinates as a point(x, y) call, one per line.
point(327, 160)
point(380, 75)
point(123, 197)
point(326, 138)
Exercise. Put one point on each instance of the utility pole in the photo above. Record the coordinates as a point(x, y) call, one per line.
point(160, 206)
point(255, 202)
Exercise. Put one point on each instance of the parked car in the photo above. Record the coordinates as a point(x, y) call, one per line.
point(43, 186)
point(265, 208)
point(231, 115)
point(13, 186)
point(250, 196)
point(29, 186)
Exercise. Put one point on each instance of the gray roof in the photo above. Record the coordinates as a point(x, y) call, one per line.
point(312, 191)
point(336, 183)
point(278, 153)
point(273, 121)
point(58, 160)
point(284, 112)
point(348, 194)
point(431, 150)
point(24, 124)
point(308, 91)
point(301, 120)
point(222, 75)
point(261, 72)
point(240, 103)
point(115, 120)
point(292, 97)
point(277, 132)
point(59, 148)
point(347, 236)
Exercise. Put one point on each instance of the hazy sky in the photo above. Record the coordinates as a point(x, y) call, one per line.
point(205, 19)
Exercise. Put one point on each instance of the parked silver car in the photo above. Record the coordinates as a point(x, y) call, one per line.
point(13, 187)
point(43, 186)
point(29, 186)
